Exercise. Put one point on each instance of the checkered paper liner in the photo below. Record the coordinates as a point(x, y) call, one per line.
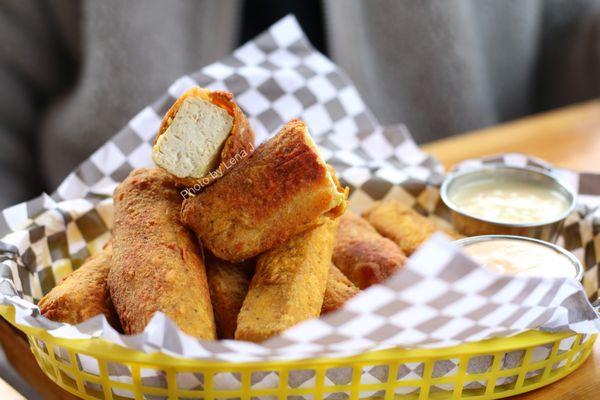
point(441, 298)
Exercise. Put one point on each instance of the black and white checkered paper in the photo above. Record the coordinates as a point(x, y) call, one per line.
point(440, 299)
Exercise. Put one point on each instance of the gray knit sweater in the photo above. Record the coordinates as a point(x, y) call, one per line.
point(73, 72)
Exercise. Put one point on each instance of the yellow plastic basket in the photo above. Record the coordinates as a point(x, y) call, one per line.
point(565, 353)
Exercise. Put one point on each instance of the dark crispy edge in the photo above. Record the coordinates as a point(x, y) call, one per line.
point(371, 257)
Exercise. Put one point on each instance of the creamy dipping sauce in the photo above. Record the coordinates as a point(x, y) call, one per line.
point(521, 257)
point(510, 201)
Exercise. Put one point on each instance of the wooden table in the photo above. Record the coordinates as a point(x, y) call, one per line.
point(569, 137)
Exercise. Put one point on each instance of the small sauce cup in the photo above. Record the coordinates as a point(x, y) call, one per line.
point(517, 255)
point(527, 215)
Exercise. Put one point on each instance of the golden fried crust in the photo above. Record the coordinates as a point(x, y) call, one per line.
point(445, 226)
point(156, 266)
point(228, 284)
point(402, 224)
point(338, 291)
point(288, 286)
point(239, 142)
point(283, 189)
point(83, 294)
point(362, 254)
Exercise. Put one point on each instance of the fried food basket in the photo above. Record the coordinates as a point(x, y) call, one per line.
point(543, 359)
point(275, 77)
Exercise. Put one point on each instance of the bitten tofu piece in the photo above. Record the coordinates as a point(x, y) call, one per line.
point(156, 262)
point(338, 291)
point(284, 188)
point(200, 134)
point(402, 224)
point(362, 254)
point(288, 286)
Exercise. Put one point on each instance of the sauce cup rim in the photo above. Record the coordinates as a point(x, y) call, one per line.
point(572, 196)
point(462, 243)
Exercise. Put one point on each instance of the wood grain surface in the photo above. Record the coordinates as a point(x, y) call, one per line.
point(8, 393)
point(568, 137)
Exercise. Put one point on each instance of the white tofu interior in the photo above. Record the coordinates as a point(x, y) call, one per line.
point(191, 145)
point(337, 196)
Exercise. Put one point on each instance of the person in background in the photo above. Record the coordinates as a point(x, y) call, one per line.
point(72, 73)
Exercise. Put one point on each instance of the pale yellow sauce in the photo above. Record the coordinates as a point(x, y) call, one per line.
point(509, 201)
point(521, 257)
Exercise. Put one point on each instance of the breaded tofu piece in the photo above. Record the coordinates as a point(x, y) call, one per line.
point(338, 291)
point(83, 294)
point(402, 224)
point(288, 286)
point(362, 254)
point(284, 188)
point(445, 227)
point(228, 284)
point(200, 134)
point(156, 264)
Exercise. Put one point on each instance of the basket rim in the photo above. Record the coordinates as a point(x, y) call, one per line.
point(103, 349)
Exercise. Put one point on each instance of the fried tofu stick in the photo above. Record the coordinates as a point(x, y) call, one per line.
point(402, 224)
point(288, 286)
point(338, 291)
point(283, 189)
point(155, 260)
point(200, 135)
point(83, 294)
point(362, 254)
point(228, 284)
point(445, 227)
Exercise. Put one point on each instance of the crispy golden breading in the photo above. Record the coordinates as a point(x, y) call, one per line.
point(156, 266)
point(362, 254)
point(228, 284)
point(402, 224)
point(83, 294)
point(239, 142)
point(288, 285)
point(283, 189)
point(445, 227)
point(338, 291)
